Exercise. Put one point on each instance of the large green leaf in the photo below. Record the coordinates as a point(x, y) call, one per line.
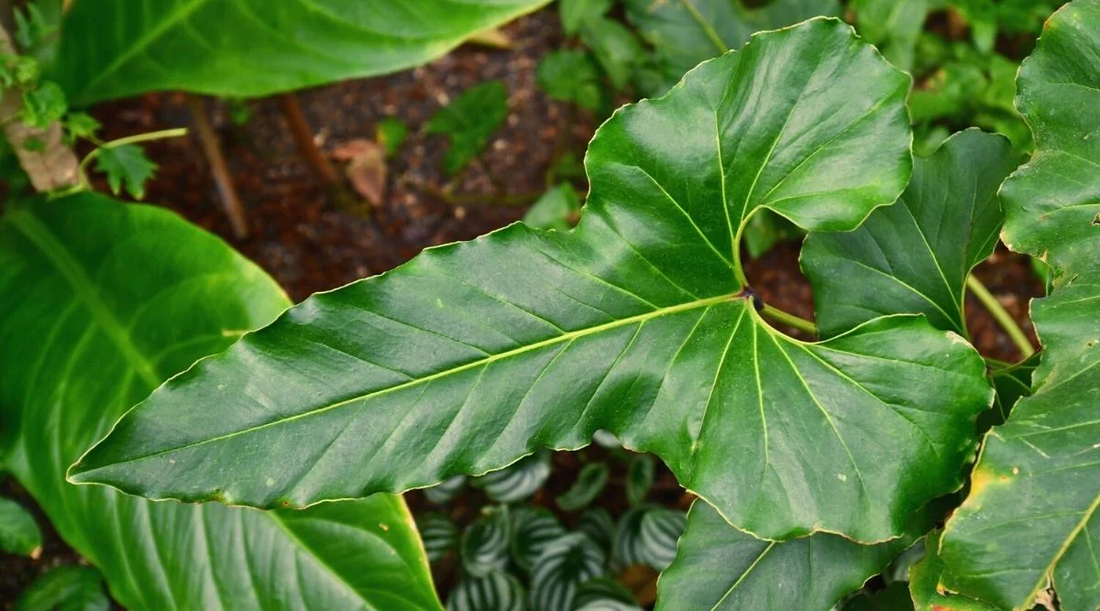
point(101, 302)
point(115, 48)
point(718, 567)
point(686, 32)
point(1031, 517)
point(637, 321)
point(915, 256)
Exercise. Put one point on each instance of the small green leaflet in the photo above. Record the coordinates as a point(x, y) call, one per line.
point(19, 533)
point(571, 75)
point(469, 120)
point(893, 26)
point(496, 591)
point(575, 13)
point(558, 209)
point(603, 594)
point(615, 48)
point(1031, 516)
point(589, 484)
point(126, 166)
point(391, 134)
point(43, 105)
point(637, 321)
point(484, 546)
point(66, 588)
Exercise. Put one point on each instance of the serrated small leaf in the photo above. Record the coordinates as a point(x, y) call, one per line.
point(43, 105)
point(571, 75)
point(484, 546)
point(557, 209)
point(445, 491)
point(65, 588)
point(81, 125)
point(598, 525)
point(497, 591)
point(518, 480)
point(639, 478)
point(563, 566)
point(468, 121)
point(589, 484)
point(391, 134)
point(439, 534)
point(720, 568)
point(19, 533)
point(532, 530)
point(125, 166)
point(660, 529)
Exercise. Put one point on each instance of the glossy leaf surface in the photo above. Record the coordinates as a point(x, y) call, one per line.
point(1031, 516)
point(915, 255)
point(97, 312)
point(718, 567)
point(228, 48)
point(475, 354)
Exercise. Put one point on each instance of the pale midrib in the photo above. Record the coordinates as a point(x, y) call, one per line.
point(144, 41)
point(1064, 548)
point(55, 252)
point(567, 336)
point(278, 522)
point(744, 575)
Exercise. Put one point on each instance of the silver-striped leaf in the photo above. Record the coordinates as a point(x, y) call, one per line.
point(589, 484)
point(517, 481)
point(660, 529)
point(496, 591)
point(559, 572)
point(532, 530)
point(484, 546)
point(439, 533)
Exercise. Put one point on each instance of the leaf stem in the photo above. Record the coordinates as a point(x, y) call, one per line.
point(706, 27)
point(157, 135)
point(1001, 315)
point(789, 319)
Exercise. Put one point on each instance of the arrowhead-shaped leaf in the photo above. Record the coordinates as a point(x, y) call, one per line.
point(915, 255)
point(638, 321)
point(230, 48)
point(718, 567)
point(102, 302)
point(1031, 517)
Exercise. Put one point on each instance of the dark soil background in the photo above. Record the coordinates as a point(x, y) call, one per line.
point(310, 245)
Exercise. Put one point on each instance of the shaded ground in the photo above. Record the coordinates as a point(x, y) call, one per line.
point(309, 246)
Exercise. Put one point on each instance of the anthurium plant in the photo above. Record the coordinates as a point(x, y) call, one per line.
point(815, 462)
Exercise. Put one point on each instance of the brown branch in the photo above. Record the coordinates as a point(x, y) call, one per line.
point(303, 137)
point(211, 146)
point(53, 165)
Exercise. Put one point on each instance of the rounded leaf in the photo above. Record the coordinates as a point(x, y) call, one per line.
point(532, 530)
point(484, 546)
point(518, 480)
point(563, 566)
point(496, 591)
